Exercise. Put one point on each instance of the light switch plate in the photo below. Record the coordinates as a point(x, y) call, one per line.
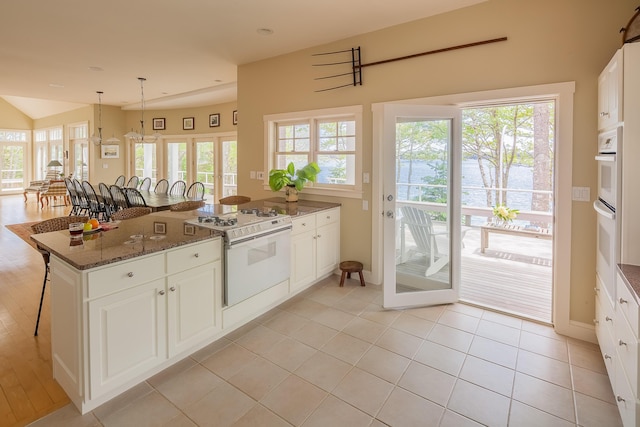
point(581, 194)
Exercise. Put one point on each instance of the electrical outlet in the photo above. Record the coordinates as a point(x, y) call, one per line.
point(259, 175)
point(365, 178)
point(365, 205)
point(252, 174)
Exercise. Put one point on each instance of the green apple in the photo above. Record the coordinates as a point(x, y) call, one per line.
point(88, 226)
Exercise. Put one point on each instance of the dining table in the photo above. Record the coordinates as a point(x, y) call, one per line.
point(162, 201)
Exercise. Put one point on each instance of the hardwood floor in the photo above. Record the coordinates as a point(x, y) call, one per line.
point(27, 388)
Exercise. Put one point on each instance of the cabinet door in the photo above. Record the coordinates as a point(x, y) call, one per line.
point(610, 93)
point(127, 335)
point(327, 248)
point(303, 259)
point(194, 306)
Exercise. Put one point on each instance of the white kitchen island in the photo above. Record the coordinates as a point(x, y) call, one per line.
point(123, 310)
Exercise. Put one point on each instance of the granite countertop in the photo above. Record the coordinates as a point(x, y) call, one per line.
point(631, 275)
point(106, 247)
point(301, 207)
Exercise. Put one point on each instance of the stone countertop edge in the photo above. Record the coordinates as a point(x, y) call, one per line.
point(123, 257)
point(631, 275)
point(299, 208)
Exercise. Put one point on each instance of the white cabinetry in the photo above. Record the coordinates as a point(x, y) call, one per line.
point(131, 319)
point(315, 247)
point(617, 318)
point(617, 331)
point(610, 93)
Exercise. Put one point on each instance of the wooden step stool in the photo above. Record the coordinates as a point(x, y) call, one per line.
point(349, 267)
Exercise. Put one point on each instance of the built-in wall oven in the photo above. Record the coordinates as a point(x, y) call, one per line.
point(257, 250)
point(608, 241)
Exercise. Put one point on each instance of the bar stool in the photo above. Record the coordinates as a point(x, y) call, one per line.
point(348, 267)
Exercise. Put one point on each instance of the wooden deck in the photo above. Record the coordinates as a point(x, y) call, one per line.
point(514, 275)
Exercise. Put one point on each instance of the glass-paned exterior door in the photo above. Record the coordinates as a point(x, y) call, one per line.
point(421, 207)
point(146, 165)
point(176, 161)
point(229, 168)
point(13, 148)
point(205, 166)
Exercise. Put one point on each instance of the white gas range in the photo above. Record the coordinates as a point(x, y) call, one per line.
point(257, 250)
point(244, 224)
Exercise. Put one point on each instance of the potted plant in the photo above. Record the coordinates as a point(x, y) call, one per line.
point(293, 179)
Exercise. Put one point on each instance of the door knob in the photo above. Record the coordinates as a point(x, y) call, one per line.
point(389, 214)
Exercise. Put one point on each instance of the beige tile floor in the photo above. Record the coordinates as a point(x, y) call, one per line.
point(333, 357)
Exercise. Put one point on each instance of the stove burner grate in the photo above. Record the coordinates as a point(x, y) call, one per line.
point(258, 212)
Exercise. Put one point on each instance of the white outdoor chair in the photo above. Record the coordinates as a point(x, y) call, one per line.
point(420, 226)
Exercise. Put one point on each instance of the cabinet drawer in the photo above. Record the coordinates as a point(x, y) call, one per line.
point(625, 399)
point(124, 275)
point(605, 312)
point(193, 255)
point(327, 217)
point(303, 224)
point(627, 347)
point(607, 346)
point(626, 303)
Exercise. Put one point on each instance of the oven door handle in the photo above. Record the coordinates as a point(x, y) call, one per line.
point(606, 157)
point(250, 239)
point(601, 209)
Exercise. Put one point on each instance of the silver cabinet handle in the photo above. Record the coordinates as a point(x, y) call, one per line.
point(196, 255)
point(161, 292)
point(622, 301)
point(172, 289)
point(596, 322)
point(606, 356)
point(304, 224)
point(603, 114)
point(621, 343)
point(130, 274)
point(596, 289)
point(620, 399)
point(608, 319)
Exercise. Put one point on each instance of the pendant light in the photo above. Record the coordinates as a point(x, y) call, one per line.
point(140, 137)
point(97, 139)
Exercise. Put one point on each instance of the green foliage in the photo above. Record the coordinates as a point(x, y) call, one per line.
point(278, 178)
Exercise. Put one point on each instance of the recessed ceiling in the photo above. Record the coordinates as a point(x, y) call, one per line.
point(57, 54)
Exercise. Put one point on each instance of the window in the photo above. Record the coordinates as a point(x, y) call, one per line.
point(331, 138)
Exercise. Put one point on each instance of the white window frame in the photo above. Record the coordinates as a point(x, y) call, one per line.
point(313, 117)
point(47, 139)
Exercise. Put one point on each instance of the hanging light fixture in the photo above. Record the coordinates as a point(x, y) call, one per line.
point(97, 139)
point(141, 137)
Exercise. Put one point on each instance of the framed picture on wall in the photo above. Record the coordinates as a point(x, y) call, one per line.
point(158, 124)
point(110, 151)
point(214, 120)
point(187, 123)
point(235, 117)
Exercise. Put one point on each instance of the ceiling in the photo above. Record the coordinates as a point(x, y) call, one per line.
point(57, 54)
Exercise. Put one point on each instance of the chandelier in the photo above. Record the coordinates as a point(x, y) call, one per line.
point(140, 137)
point(97, 139)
